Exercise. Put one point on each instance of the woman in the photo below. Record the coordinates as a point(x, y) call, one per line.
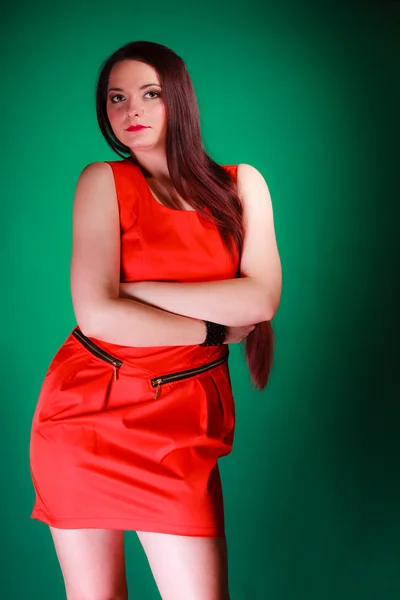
point(174, 257)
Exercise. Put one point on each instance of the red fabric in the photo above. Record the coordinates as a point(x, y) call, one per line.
point(105, 453)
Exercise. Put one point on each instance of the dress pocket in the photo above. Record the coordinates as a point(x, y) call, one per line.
point(77, 381)
point(97, 351)
point(160, 380)
point(219, 415)
point(196, 416)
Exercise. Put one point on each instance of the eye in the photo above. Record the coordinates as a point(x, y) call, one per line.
point(112, 98)
point(116, 96)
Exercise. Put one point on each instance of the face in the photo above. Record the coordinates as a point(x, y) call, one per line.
point(134, 97)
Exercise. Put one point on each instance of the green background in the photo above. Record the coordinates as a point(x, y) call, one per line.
point(306, 92)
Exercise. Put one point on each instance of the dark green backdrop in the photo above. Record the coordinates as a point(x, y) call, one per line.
point(306, 92)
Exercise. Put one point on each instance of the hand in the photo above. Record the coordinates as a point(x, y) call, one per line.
point(237, 334)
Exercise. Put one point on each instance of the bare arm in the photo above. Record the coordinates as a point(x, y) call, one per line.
point(95, 274)
point(252, 298)
point(130, 323)
point(232, 302)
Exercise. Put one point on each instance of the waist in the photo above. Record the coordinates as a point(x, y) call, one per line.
point(150, 359)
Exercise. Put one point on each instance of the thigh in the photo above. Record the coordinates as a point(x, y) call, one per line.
point(92, 562)
point(187, 567)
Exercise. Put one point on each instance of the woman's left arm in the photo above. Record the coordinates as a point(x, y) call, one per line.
point(250, 299)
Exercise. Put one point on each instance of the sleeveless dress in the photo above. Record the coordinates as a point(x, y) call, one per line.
point(128, 437)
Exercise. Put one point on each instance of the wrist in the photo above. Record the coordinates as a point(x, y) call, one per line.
point(216, 334)
point(202, 327)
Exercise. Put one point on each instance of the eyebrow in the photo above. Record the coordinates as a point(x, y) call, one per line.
point(141, 88)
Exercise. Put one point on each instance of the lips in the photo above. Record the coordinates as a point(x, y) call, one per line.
point(136, 127)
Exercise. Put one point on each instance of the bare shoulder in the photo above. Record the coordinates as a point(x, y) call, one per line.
point(98, 165)
point(252, 187)
point(95, 171)
point(95, 186)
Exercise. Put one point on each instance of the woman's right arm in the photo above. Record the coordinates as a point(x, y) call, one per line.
point(95, 274)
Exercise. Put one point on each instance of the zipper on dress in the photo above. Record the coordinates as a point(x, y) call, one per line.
point(156, 382)
point(97, 351)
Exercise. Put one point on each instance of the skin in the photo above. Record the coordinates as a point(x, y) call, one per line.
point(92, 560)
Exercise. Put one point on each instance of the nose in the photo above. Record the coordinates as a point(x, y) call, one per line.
point(134, 109)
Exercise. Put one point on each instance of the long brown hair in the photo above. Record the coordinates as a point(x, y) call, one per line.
point(205, 185)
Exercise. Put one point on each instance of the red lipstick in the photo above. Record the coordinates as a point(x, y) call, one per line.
point(136, 127)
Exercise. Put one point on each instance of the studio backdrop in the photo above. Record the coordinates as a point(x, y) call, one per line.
point(305, 92)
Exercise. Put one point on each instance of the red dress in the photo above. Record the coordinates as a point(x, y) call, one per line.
point(129, 437)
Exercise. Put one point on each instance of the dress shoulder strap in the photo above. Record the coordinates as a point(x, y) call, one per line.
point(127, 186)
point(232, 169)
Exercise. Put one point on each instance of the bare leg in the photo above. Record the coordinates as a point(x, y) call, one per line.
point(186, 567)
point(92, 562)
